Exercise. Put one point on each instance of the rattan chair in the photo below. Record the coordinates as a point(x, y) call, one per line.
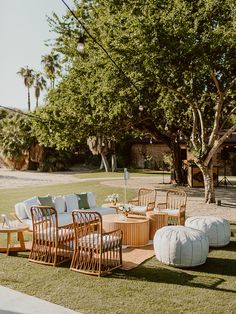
point(51, 245)
point(145, 201)
point(95, 252)
point(175, 206)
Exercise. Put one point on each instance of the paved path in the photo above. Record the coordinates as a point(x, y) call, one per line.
point(14, 302)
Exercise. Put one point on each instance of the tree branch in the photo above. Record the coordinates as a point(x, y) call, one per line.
point(218, 109)
point(203, 144)
point(218, 143)
point(194, 129)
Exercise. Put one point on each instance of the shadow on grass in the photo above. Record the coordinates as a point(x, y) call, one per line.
point(205, 276)
point(175, 277)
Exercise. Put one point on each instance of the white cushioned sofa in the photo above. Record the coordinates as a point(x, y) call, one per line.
point(64, 205)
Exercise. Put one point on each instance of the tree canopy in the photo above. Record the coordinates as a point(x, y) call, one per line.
point(174, 58)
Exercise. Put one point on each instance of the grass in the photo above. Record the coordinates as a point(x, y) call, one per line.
point(151, 288)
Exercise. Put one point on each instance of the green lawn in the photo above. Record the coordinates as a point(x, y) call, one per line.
point(151, 288)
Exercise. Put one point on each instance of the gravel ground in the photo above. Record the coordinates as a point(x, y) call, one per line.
point(195, 203)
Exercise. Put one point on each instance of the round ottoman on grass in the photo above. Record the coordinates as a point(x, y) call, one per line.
point(216, 228)
point(181, 246)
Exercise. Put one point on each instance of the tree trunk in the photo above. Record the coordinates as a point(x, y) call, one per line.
point(113, 163)
point(105, 162)
point(207, 172)
point(177, 162)
point(28, 98)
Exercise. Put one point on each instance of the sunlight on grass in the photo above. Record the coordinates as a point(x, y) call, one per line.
point(150, 288)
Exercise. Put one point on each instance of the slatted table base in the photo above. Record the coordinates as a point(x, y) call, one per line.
point(135, 230)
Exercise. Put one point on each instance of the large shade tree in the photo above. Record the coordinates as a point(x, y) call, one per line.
point(176, 59)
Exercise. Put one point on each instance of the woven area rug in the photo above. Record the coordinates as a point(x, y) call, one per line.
point(134, 256)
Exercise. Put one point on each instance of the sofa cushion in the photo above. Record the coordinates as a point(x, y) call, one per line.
point(20, 211)
point(64, 219)
point(29, 203)
point(72, 202)
point(104, 210)
point(46, 200)
point(83, 202)
point(59, 203)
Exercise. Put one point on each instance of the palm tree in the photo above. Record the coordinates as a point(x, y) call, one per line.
point(39, 85)
point(28, 76)
point(51, 66)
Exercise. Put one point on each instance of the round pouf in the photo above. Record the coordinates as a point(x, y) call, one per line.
point(216, 228)
point(181, 246)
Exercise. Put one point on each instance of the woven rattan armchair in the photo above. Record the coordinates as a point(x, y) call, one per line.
point(51, 244)
point(175, 206)
point(95, 252)
point(144, 202)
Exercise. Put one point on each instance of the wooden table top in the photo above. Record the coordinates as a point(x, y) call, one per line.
point(17, 228)
point(127, 220)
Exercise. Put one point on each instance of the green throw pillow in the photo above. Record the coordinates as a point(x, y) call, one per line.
point(83, 202)
point(46, 200)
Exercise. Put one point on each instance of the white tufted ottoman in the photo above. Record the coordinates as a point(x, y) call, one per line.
point(216, 228)
point(181, 246)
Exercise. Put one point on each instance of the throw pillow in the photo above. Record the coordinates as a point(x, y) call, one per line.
point(91, 199)
point(46, 200)
point(59, 203)
point(72, 202)
point(29, 203)
point(83, 202)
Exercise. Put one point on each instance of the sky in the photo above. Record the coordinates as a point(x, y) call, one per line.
point(23, 32)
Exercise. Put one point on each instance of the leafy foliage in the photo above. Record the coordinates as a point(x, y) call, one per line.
point(15, 138)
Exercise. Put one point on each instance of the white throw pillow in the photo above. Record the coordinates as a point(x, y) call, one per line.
point(72, 202)
point(59, 203)
point(91, 199)
point(29, 203)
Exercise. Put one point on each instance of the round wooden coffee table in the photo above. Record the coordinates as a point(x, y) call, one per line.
point(135, 228)
point(157, 220)
point(10, 247)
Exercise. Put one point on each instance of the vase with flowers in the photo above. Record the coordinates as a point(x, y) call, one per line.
point(112, 198)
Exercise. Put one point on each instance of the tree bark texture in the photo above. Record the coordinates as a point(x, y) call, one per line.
point(207, 172)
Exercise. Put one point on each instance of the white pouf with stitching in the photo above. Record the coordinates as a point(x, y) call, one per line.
point(216, 228)
point(181, 246)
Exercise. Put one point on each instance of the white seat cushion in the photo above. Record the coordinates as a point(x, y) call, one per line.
point(139, 209)
point(216, 228)
point(169, 211)
point(104, 210)
point(181, 246)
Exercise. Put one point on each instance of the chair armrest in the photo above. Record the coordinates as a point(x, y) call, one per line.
point(161, 206)
point(150, 206)
point(182, 208)
point(14, 215)
point(114, 233)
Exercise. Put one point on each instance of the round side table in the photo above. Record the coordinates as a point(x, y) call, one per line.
point(157, 220)
point(10, 247)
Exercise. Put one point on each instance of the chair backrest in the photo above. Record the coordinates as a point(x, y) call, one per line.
point(86, 223)
point(176, 198)
point(146, 196)
point(45, 223)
